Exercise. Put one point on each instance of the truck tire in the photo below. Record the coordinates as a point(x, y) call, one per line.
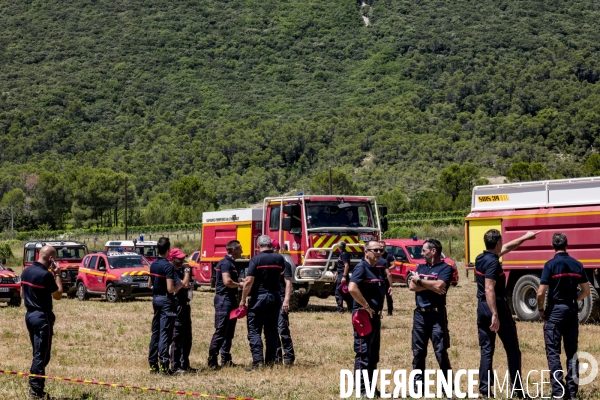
point(298, 301)
point(15, 302)
point(524, 298)
point(111, 293)
point(72, 292)
point(589, 308)
point(82, 293)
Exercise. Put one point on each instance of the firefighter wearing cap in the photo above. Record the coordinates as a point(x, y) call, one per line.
point(263, 285)
point(430, 322)
point(560, 277)
point(341, 276)
point(165, 283)
point(226, 290)
point(386, 262)
point(285, 347)
point(366, 287)
point(493, 313)
point(182, 330)
point(38, 287)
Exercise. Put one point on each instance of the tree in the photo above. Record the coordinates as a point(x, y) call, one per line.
point(457, 179)
point(526, 172)
point(340, 183)
point(395, 201)
point(53, 199)
point(592, 165)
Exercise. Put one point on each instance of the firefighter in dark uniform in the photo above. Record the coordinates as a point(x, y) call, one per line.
point(366, 287)
point(341, 278)
point(285, 347)
point(263, 285)
point(225, 301)
point(387, 262)
point(182, 331)
point(560, 277)
point(38, 288)
point(164, 282)
point(493, 313)
point(430, 321)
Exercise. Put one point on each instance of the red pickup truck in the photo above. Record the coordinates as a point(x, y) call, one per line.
point(407, 254)
point(10, 287)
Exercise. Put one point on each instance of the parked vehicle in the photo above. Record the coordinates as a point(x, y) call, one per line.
point(10, 287)
point(308, 228)
point(407, 254)
point(571, 206)
point(146, 248)
point(69, 255)
point(116, 275)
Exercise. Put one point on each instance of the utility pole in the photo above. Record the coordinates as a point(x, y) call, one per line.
point(12, 223)
point(330, 185)
point(125, 208)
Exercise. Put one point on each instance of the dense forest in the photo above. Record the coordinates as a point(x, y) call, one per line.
point(213, 103)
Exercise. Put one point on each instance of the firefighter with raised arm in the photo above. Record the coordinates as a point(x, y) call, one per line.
point(493, 313)
point(182, 328)
point(561, 277)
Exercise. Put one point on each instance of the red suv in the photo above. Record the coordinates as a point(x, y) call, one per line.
point(407, 253)
point(116, 275)
point(10, 287)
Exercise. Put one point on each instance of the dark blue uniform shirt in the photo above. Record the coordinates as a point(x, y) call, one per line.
point(439, 271)
point(562, 274)
point(182, 295)
point(487, 265)
point(287, 273)
point(370, 283)
point(38, 285)
point(266, 269)
point(344, 258)
point(226, 266)
point(385, 261)
point(161, 270)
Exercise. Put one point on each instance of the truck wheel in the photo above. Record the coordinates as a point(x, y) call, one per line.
point(111, 294)
point(15, 302)
point(303, 302)
point(589, 308)
point(525, 298)
point(82, 292)
point(298, 301)
point(72, 292)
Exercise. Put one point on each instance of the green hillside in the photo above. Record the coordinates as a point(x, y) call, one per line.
point(255, 98)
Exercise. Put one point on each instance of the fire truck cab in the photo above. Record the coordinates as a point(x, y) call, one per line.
point(570, 206)
point(309, 228)
point(69, 255)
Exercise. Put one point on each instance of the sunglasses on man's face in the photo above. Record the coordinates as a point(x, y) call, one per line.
point(376, 250)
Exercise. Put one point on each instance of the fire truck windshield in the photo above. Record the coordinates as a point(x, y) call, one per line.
point(70, 253)
point(127, 262)
point(330, 214)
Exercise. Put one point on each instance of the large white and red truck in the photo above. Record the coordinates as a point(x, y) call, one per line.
point(308, 228)
point(571, 206)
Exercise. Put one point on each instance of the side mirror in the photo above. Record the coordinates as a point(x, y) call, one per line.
point(10, 269)
point(102, 268)
point(286, 223)
point(383, 211)
point(289, 209)
point(384, 224)
point(402, 259)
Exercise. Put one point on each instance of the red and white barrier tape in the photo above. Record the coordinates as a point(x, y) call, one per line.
point(118, 385)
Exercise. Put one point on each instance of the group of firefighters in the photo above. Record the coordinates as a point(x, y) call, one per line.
point(267, 288)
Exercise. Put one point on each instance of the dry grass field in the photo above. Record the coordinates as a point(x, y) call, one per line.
point(109, 342)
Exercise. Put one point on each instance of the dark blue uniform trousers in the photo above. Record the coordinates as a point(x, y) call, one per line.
point(162, 332)
point(285, 347)
point(367, 350)
point(263, 314)
point(340, 296)
point(487, 342)
point(182, 338)
point(388, 297)
point(224, 329)
point(562, 323)
point(40, 325)
point(430, 325)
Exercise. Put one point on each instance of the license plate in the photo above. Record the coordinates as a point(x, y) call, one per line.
point(3, 289)
point(144, 284)
point(366, 238)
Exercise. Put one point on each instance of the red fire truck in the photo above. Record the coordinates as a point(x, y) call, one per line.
point(68, 256)
point(571, 206)
point(146, 248)
point(308, 228)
